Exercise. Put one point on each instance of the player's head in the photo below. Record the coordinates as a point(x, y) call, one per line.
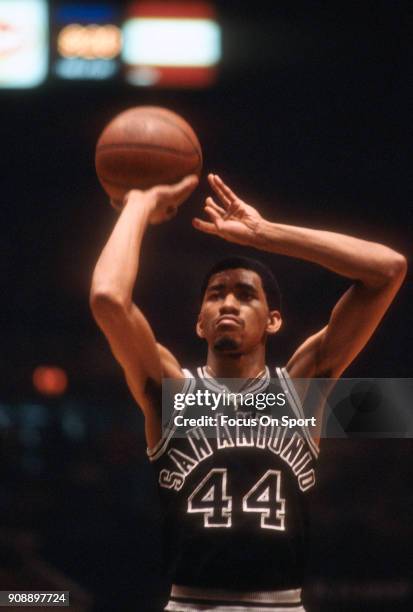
point(240, 305)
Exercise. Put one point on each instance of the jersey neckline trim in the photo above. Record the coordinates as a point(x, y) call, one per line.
point(255, 386)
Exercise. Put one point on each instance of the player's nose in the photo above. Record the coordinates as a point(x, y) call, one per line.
point(230, 304)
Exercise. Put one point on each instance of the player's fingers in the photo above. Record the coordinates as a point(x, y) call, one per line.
point(211, 202)
point(226, 202)
point(188, 182)
point(218, 191)
point(182, 190)
point(229, 194)
point(186, 187)
point(214, 216)
point(232, 209)
point(204, 226)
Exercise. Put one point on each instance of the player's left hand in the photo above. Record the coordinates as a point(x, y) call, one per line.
point(231, 218)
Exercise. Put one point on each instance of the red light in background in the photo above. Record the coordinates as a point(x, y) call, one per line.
point(171, 44)
point(166, 8)
point(50, 380)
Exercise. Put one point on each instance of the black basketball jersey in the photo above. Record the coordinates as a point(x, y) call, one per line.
point(235, 505)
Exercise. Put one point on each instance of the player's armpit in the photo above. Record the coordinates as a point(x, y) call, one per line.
point(170, 365)
point(305, 361)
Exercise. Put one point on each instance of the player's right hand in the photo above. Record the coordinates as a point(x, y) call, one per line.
point(163, 201)
point(230, 218)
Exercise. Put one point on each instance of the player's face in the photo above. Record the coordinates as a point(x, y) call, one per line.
point(234, 315)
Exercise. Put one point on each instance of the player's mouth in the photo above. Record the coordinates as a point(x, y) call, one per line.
point(229, 321)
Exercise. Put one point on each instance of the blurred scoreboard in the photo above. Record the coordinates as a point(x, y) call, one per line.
point(24, 43)
point(171, 43)
point(146, 43)
point(86, 41)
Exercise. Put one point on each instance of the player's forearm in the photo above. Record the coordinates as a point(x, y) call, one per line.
point(116, 270)
point(371, 263)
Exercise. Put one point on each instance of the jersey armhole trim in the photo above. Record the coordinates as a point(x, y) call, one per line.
point(156, 451)
point(296, 404)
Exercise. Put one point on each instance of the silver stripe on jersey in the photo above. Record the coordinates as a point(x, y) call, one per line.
point(159, 448)
point(184, 598)
point(296, 405)
point(289, 596)
point(174, 606)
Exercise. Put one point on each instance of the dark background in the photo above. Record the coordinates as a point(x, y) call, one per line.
point(310, 122)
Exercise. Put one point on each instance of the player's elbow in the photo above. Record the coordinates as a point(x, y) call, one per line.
point(105, 304)
point(395, 268)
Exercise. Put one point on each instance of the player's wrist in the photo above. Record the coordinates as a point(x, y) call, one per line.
point(259, 233)
point(139, 205)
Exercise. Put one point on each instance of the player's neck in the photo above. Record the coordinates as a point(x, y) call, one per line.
point(249, 365)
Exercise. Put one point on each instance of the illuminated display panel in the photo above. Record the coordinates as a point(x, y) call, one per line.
point(172, 44)
point(23, 43)
point(87, 41)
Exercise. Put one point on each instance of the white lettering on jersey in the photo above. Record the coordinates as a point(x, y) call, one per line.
point(171, 480)
point(264, 434)
point(292, 449)
point(276, 441)
point(199, 443)
point(245, 434)
point(210, 498)
point(183, 461)
point(301, 463)
point(224, 439)
point(307, 480)
point(265, 499)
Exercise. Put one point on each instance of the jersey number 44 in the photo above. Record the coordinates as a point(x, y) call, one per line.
point(264, 498)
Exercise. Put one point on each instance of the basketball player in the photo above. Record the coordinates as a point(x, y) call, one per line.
point(235, 505)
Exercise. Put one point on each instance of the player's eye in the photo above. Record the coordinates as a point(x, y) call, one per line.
point(246, 296)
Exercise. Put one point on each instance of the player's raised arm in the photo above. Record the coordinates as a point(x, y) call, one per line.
point(128, 332)
point(376, 271)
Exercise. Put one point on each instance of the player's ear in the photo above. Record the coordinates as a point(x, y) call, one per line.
point(199, 327)
point(274, 321)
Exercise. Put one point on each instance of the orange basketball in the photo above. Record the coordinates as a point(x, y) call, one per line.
point(145, 146)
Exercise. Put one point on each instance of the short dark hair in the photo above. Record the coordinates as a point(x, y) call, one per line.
point(269, 282)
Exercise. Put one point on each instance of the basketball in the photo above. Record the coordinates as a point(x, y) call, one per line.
point(145, 146)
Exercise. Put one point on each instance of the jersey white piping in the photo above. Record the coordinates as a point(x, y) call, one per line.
point(233, 601)
point(156, 451)
point(296, 405)
point(289, 596)
point(210, 382)
point(174, 606)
